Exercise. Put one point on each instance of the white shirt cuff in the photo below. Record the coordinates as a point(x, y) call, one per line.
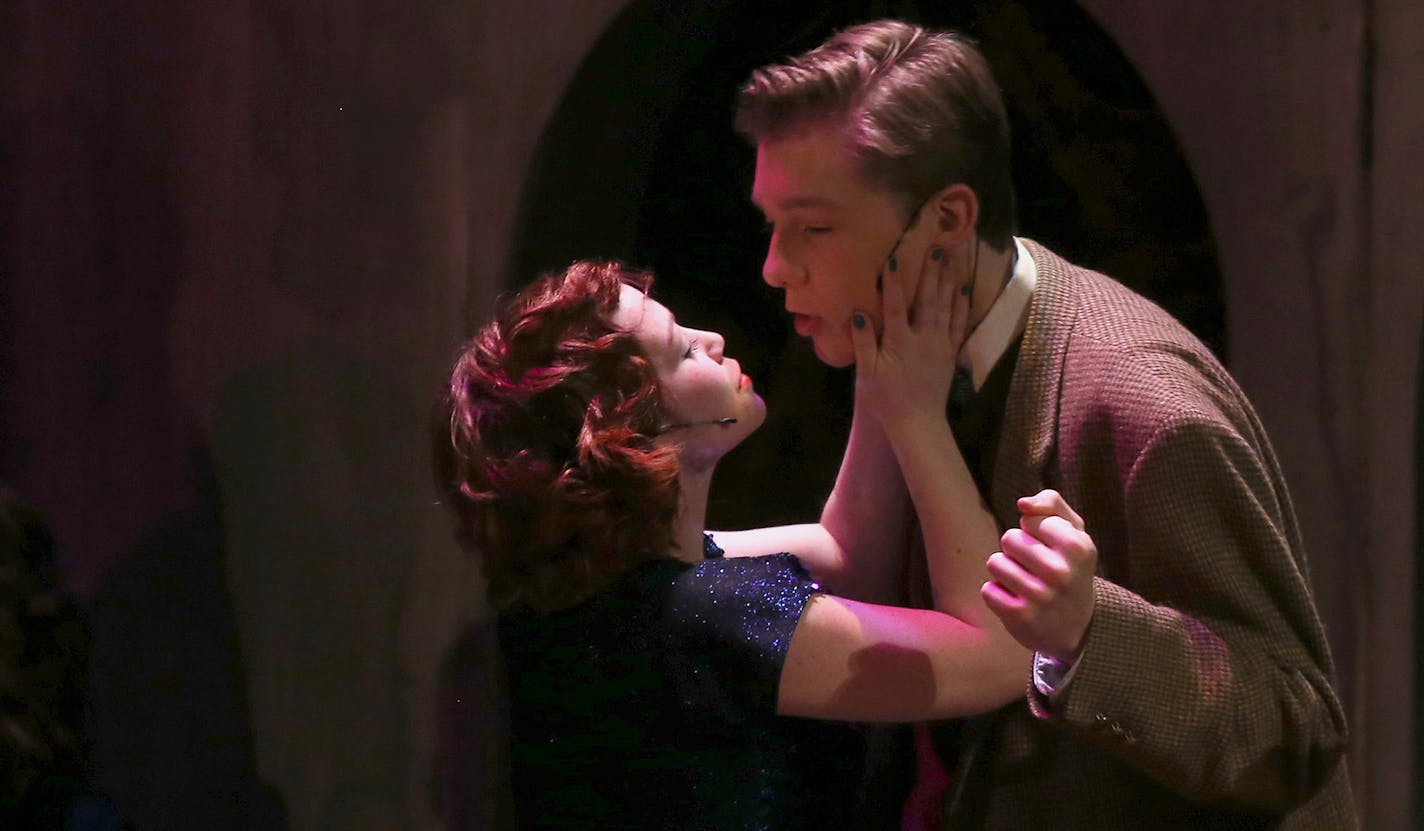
point(1052, 676)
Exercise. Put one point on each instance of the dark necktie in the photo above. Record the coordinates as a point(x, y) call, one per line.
point(961, 394)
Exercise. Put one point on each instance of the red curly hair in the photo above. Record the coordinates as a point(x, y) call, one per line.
point(545, 447)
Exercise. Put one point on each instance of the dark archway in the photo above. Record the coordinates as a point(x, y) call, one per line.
point(640, 163)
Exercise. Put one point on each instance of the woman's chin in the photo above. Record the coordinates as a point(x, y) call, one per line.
point(755, 417)
point(703, 453)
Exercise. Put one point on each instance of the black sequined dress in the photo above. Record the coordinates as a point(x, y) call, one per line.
point(653, 706)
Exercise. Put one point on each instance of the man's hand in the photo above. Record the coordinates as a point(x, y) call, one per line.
point(1042, 586)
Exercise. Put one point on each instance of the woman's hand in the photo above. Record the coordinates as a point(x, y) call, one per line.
point(906, 373)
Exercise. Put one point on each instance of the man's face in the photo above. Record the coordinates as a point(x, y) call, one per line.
point(831, 231)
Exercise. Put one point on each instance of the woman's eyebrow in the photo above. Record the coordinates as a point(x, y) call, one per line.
point(672, 333)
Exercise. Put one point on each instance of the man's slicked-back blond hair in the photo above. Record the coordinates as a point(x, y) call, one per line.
point(920, 107)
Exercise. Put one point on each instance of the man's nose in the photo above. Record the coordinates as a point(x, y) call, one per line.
point(778, 270)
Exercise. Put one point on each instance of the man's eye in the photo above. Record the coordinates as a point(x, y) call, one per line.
point(817, 229)
point(691, 347)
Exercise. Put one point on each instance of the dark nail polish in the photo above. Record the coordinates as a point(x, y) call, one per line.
point(936, 254)
point(858, 320)
point(893, 264)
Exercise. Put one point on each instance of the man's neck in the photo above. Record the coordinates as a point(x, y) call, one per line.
point(992, 270)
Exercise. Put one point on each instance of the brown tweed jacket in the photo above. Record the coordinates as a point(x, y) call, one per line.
point(1204, 698)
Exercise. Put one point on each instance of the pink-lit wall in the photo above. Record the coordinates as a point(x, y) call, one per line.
point(1310, 186)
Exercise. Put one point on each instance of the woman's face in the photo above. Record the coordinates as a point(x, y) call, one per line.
point(700, 386)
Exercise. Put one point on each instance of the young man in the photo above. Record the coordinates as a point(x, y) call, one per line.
point(1181, 676)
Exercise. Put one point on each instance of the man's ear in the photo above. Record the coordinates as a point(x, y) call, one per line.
point(956, 210)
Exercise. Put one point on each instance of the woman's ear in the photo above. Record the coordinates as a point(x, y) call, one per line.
point(957, 212)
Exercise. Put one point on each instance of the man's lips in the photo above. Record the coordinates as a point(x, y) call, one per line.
point(806, 325)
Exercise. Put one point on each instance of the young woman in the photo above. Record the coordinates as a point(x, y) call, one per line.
point(653, 680)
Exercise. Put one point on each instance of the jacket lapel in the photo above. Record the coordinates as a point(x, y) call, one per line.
point(1031, 412)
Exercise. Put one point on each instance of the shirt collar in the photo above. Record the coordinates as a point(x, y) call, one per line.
point(1005, 321)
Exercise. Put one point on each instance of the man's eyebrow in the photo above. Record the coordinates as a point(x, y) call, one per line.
point(792, 203)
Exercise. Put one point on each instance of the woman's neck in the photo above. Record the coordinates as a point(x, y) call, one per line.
point(691, 515)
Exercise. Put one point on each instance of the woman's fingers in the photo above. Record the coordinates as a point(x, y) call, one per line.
point(893, 308)
point(932, 304)
point(959, 317)
point(862, 339)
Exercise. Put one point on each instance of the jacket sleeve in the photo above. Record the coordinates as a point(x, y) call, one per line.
point(1205, 666)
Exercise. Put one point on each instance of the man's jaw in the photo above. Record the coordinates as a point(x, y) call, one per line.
point(818, 330)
